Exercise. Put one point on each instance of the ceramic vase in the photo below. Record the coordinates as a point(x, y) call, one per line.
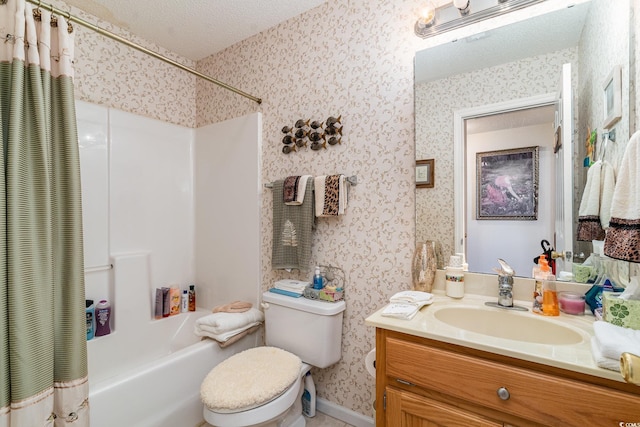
point(424, 266)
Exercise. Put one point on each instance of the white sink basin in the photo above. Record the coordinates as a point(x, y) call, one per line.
point(505, 324)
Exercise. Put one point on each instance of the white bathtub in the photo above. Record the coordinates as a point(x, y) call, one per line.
point(152, 378)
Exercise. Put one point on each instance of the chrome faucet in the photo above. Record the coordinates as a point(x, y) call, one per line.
point(505, 290)
point(505, 287)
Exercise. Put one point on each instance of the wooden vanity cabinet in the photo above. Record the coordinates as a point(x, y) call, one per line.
point(422, 382)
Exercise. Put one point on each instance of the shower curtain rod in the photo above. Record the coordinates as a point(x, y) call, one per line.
point(69, 17)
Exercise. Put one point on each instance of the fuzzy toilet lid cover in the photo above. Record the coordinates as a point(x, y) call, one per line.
point(249, 379)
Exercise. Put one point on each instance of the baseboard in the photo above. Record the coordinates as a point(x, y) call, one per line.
point(343, 414)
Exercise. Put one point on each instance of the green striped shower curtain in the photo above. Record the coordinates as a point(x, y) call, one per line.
point(43, 361)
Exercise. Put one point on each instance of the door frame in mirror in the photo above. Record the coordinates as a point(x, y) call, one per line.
point(459, 149)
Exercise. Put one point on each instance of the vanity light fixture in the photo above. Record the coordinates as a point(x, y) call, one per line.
point(460, 13)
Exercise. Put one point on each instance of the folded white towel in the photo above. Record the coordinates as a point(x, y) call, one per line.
point(413, 297)
point(300, 193)
point(207, 331)
point(614, 340)
point(291, 285)
point(224, 322)
point(601, 361)
point(401, 311)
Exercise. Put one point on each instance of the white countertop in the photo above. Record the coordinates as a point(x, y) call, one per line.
point(572, 357)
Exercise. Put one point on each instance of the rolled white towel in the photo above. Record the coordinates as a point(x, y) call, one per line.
point(615, 340)
point(219, 323)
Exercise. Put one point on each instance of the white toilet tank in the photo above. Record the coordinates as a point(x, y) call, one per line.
point(310, 329)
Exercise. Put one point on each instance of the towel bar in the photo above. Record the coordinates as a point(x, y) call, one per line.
point(353, 180)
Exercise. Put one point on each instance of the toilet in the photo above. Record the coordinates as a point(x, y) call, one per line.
point(263, 386)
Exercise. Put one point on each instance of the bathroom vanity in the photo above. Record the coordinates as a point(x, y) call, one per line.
point(433, 370)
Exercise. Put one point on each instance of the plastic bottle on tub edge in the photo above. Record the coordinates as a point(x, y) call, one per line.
point(103, 317)
point(309, 396)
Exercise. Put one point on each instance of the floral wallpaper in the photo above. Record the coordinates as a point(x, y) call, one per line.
point(434, 127)
point(112, 74)
point(352, 58)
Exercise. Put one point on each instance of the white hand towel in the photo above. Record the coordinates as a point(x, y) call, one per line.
point(601, 361)
point(623, 236)
point(607, 188)
point(400, 311)
point(413, 297)
point(224, 322)
point(615, 340)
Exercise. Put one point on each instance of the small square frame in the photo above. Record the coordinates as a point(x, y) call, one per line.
point(612, 98)
point(425, 173)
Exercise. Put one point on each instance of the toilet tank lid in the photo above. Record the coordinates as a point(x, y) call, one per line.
point(323, 308)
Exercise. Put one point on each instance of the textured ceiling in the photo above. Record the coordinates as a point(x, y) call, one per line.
point(542, 34)
point(195, 29)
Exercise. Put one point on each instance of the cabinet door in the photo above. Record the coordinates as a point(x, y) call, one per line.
point(410, 410)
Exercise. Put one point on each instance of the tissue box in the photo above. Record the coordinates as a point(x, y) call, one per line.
point(620, 312)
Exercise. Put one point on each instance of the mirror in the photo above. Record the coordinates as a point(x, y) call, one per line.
point(510, 66)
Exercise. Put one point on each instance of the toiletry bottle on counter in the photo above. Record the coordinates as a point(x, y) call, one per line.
point(537, 289)
point(454, 277)
point(545, 283)
point(317, 279)
point(90, 312)
point(103, 316)
point(192, 297)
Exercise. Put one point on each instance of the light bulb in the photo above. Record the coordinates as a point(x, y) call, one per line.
point(427, 15)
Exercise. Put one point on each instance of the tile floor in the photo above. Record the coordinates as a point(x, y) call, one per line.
point(322, 420)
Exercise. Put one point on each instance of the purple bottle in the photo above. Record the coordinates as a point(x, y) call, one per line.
point(103, 316)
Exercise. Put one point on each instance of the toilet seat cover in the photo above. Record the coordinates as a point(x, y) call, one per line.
point(249, 379)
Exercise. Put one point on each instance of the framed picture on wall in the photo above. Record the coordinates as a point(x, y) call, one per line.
point(507, 184)
point(425, 173)
point(612, 98)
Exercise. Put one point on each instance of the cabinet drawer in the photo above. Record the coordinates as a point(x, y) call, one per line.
point(535, 396)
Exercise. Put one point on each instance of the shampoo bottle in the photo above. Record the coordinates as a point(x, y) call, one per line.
point(103, 316)
point(309, 396)
point(90, 312)
point(192, 297)
point(184, 302)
